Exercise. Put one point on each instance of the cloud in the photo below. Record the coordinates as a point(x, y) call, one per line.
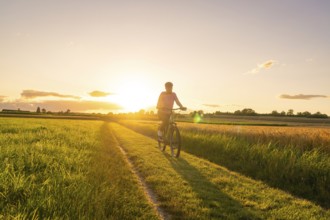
point(80, 106)
point(302, 96)
point(212, 105)
point(62, 105)
point(97, 93)
point(265, 65)
point(268, 64)
point(31, 94)
point(2, 98)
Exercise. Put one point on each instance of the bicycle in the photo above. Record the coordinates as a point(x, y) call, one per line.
point(171, 137)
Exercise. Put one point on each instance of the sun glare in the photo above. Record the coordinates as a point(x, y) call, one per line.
point(134, 96)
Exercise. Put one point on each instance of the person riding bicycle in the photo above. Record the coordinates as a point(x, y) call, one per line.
point(165, 104)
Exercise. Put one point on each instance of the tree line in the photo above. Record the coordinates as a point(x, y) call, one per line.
point(44, 111)
point(251, 112)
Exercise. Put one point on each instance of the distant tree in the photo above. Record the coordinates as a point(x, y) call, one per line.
point(237, 112)
point(290, 112)
point(283, 113)
point(208, 115)
point(306, 113)
point(319, 115)
point(199, 113)
point(217, 113)
point(275, 113)
point(43, 110)
point(67, 111)
point(38, 110)
point(248, 111)
point(142, 112)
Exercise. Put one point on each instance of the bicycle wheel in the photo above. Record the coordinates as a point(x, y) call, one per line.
point(175, 142)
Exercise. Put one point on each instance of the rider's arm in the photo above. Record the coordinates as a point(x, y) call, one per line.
point(177, 101)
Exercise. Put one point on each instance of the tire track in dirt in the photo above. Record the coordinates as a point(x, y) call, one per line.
point(150, 195)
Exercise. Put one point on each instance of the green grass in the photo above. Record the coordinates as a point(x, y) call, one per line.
point(65, 169)
point(193, 188)
point(257, 120)
point(241, 123)
point(302, 171)
point(73, 169)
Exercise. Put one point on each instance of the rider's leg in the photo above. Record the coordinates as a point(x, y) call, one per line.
point(165, 118)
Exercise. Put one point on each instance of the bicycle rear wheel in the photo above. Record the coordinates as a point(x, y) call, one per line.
point(175, 142)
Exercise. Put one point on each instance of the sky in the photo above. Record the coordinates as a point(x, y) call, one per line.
point(221, 55)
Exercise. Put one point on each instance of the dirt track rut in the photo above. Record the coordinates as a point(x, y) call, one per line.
point(150, 195)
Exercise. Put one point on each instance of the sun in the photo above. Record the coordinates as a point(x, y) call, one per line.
point(134, 96)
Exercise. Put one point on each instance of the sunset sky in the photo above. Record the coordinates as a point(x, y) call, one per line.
point(221, 55)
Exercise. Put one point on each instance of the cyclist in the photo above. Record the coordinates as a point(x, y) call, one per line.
point(165, 104)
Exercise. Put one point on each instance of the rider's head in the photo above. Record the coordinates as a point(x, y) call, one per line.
point(169, 87)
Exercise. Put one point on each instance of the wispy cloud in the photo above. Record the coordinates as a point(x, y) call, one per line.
point(265, 65)
point(61, 105)
point(211, 105)
point(29, 102)
point(97, 93)
point(302, 96)
point(31, 94)
point(2, 98)
point(80, 106)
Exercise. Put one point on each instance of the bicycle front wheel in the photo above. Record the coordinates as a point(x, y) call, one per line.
point(175, 142)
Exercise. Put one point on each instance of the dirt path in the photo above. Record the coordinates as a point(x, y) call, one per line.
point(150, 195)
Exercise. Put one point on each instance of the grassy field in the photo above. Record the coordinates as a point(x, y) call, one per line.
point(65, 169)
point(74, 169)
point(258, 120)
point(193, 188)
point(293, 159)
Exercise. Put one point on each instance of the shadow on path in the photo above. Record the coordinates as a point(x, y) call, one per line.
point(218, 203)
